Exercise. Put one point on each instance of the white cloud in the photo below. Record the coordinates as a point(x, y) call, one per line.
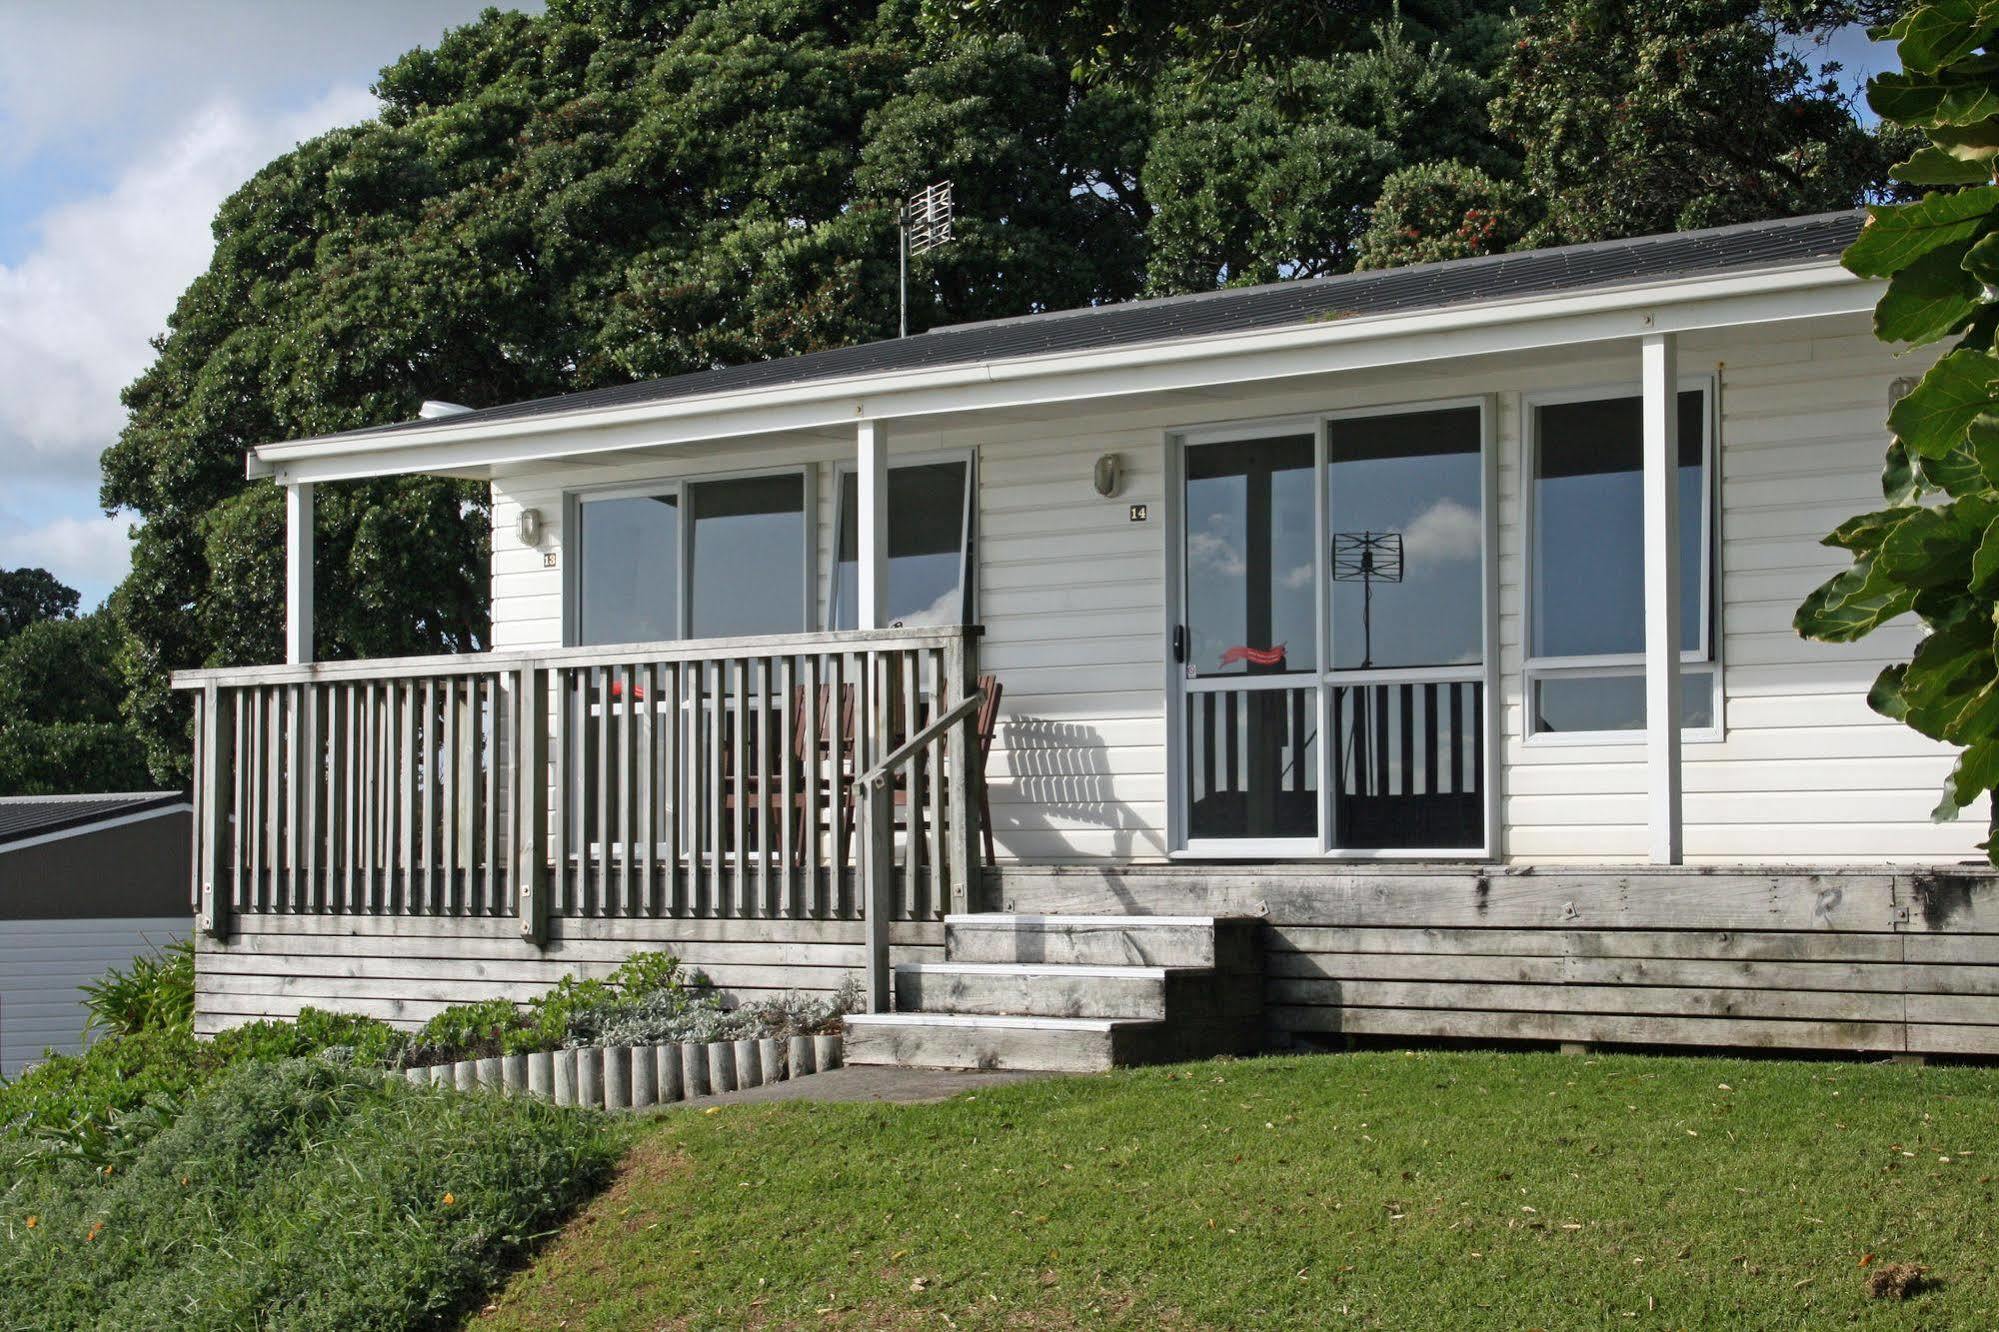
point(1444, 532)
point(90, 554)
point(1211, 550)
point(76, 313)
point(87, 76)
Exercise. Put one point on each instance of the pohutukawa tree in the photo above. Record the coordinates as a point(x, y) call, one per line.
point(1932, 549)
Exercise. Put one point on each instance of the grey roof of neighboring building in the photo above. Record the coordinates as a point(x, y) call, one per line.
point(1462, 282)
point(23, 817)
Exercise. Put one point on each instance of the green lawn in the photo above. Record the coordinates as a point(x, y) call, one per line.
point(1372, 1190)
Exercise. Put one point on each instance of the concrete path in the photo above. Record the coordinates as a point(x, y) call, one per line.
point(865, 1082)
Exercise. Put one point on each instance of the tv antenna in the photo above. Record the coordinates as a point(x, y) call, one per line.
point(1367, 558)
point(923, 224)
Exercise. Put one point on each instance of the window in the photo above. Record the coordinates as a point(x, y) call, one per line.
point(1586, 658)
point(748, 556)
point(929, 545)
point(1251, 557)
point(628, 569)
point(697, 559)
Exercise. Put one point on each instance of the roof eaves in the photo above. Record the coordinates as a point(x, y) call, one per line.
point(272, 456)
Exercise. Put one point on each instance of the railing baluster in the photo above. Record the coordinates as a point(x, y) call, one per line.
point(816, 857)
point(646, 766)
point(714, 679)
point(600, 732)
point(903, 681)
point(562, 882)
point(736, 717)
point(785, 808)
point(767, 809)
point(406, 810)
point(939, 811)
point(427, 775)
point(961, 675)
point(622, 780)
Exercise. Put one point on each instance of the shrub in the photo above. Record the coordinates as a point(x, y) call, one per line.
point(467, 1031)
point(101, 1106)
point(645, 991)
point(302, 1194)
point(156, 993)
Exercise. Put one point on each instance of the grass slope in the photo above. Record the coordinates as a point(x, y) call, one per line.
point(297, 1195)
point(1376, 1190)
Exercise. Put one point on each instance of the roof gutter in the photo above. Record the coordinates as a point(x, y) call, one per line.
point(1327, 345)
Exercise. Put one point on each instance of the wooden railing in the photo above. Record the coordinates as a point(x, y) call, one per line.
point(713, 779)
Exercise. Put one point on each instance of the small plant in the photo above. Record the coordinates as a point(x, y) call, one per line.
point(468, 1031)
point(155, 993)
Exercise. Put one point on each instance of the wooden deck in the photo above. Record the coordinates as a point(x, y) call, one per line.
point(1889, 960)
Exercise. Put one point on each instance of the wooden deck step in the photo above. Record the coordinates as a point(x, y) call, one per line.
point(968, 1040)
point(1220, 942)
point(1039, 989)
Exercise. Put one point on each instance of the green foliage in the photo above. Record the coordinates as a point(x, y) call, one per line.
point(574, 1011)
point(1434, 211)
point(471, 1031)
point(306, 1194)
point(29, 596)
point(1934, 549)
point(1643, 116)
point(154, 993)
point(101, 1106)
point(1257, 177)
point(60, 729)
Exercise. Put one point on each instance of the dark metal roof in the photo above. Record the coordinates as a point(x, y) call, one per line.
point(22, 817)
point(1606, 264)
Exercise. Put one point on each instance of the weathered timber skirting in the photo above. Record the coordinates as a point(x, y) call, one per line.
point(405, 968)
point(1862, 959)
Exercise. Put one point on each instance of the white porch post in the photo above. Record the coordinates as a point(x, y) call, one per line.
point(872, 517)
point(1659, 371)
point(298, 573)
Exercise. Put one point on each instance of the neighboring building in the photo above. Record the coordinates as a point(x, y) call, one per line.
point(1349, 604)
point(86, 882)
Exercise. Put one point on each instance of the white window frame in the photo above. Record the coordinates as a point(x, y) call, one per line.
point(1320, 677)
point(1707, 656)
point(574, 500)
point(967, 530)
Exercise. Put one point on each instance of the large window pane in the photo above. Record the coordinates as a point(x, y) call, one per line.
point(1251, 562)
point(748, 557)
point(928, 546)
point(1616, 702)
point(1252, 764)
point(1589, 521)
point(629, 578)
point(1404, 498)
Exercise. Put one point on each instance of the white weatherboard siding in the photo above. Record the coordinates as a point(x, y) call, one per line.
point(1072, 595)
point(42, 964)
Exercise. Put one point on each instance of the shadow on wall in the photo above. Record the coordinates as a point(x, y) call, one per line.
point(1059, 777)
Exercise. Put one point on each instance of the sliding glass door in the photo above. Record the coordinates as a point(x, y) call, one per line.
point(1250, 641)
point(1406, 582)
point(1331, 652)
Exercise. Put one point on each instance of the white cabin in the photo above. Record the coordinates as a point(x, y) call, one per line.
point(1425, 587)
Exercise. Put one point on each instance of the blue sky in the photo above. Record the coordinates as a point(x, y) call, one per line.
point(122, 126)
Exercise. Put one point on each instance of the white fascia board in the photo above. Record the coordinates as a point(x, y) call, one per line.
point(1327, 346)
point(63, 834)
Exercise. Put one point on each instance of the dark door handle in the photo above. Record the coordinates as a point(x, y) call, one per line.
point(1179, 644)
